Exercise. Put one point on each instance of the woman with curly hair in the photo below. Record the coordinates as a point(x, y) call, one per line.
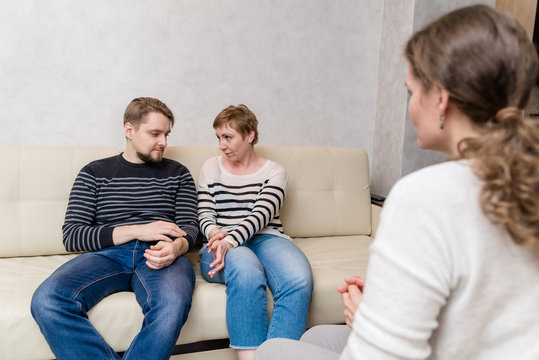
point(454, 268)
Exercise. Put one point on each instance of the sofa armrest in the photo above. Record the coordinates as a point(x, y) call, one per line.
point(375, 218)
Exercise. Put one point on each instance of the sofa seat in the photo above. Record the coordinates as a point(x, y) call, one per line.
point(118, 317)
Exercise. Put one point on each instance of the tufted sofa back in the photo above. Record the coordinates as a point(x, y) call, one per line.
point(328, 191)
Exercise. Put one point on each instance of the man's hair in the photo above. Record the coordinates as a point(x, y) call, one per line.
point(239, 118)
point(142, 106)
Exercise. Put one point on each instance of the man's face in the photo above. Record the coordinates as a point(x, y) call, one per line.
point(149, 140)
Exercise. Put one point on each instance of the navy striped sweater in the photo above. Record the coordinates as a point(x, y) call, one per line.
point(113, 192)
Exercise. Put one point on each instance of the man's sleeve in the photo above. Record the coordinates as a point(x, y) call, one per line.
point(79, 230)
point(186, 208)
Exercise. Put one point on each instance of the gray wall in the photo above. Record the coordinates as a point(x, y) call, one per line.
point(308, 69)
point(316, 73)
point(395, 144)
point(413, 157)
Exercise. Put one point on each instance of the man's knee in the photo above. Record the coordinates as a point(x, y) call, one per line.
point(46, 300)
point(40, 300)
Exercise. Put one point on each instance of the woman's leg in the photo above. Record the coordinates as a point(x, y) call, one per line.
point(323, 342)
point(330, 337)
point(245, 281)
point(286, 349)
point(206, 259)
point(289, 277)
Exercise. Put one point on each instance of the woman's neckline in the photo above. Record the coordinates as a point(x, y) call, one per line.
point(228, 172)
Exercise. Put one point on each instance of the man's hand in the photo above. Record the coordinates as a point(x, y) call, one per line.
point(165, 253)
point(154, 231)
point(352, 295)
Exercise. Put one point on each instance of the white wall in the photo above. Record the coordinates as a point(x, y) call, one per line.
point(308, 69)
point(316, 72)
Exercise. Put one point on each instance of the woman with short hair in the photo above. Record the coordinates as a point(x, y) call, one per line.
point(239, 198)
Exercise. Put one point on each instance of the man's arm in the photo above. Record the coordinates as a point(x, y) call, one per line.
point(165, 253)
point(175, 239)
point(155, 231)
point(79, 230)
point(186, 208)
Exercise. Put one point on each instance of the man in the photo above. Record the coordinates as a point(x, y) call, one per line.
point(135, 215)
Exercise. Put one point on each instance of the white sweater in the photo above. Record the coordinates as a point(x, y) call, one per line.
point(443, 282)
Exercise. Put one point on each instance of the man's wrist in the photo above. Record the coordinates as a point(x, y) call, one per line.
point(181, 245)
point(123, 234)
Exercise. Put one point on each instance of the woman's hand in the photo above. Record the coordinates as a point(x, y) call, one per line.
point(219, 247)
point(353, 280)
point(352, 295)
point(213, 238)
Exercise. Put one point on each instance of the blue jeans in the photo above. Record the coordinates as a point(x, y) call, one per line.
point(61, 303)
point(264, 260)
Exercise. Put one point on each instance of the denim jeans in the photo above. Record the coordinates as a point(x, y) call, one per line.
point(61, 303)
point(264, 260)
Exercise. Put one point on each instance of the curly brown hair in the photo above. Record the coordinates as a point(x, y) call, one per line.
point(486, 62)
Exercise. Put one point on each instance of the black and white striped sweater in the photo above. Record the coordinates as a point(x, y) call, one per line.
point(242, 205)
point(113, 192)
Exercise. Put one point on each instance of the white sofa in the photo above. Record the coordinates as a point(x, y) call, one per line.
point(327, 212)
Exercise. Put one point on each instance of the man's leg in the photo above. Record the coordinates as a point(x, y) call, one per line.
point(165, 297)
point(61, 303)
point(289, 277)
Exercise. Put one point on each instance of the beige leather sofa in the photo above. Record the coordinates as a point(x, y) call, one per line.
point(327, 212)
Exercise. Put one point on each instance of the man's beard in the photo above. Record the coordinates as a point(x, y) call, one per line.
point(148, 159)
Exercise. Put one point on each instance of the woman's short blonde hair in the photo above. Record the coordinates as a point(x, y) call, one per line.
point(239, 118)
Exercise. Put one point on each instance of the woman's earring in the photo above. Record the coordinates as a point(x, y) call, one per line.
point(442, 121)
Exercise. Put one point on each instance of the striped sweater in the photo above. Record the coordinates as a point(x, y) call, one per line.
point(113, 192)
point(242, 205)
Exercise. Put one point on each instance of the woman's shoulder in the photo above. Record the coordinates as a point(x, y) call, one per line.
point(210, 167)
point(275, 165)
point(451, 179)
point(212, 162)
point(275, 169)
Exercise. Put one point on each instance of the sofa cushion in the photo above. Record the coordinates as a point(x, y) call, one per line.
point(33, 196)
point(328, 192)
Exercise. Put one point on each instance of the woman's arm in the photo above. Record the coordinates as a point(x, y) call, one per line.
point(408, 280)
point(207, 213)
point(266, 207)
